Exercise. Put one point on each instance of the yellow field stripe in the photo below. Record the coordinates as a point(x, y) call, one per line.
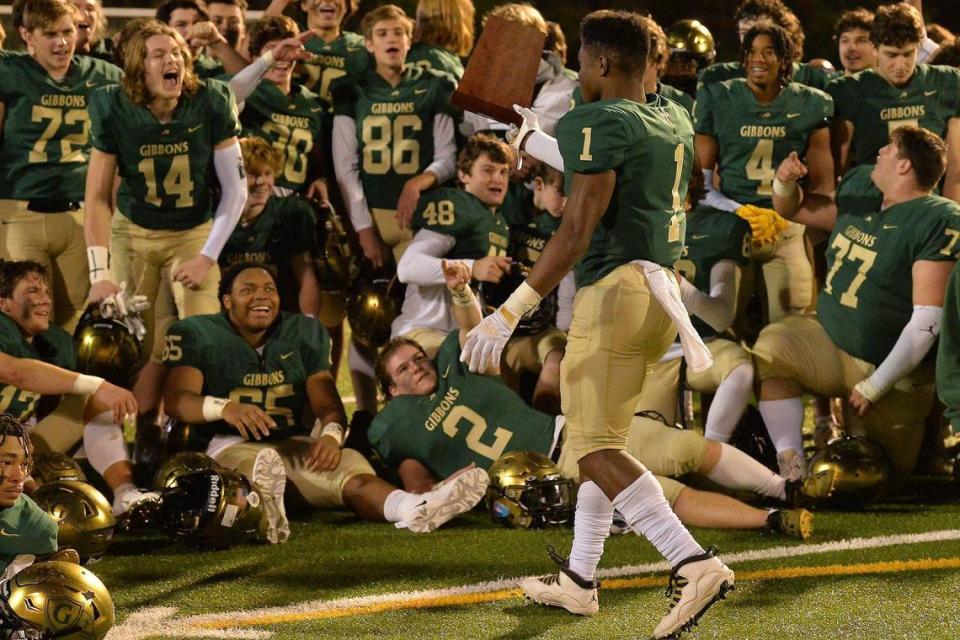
point(786, 573)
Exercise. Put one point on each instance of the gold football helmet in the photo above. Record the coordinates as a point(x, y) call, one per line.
point(371, 308)
point(860, 467)
point(526, 491)
point(51, 466)
point(181, 464)
point(214, 508)
point(692, 39)
point(335, 259)
point(84, 516)
point(107, 348)
point(56, 600)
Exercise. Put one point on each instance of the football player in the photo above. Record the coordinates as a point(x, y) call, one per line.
point(229, 18)
point(162, 131)
point(26, 332)
point(657, 66)
point(899, 92)
point(627, 164)
point(874, 326)
point(280, 232)
point(339, 56)
point(92, 37)
point(691, 50)
point(748, 14)
point(457, 224)
point(28, 531)
point(745, 127)
point(45, 148)
point(854, 47)
point(286, 114)
point(249, 372)
point(443, 35)
point(193, 24)
point(431, 426)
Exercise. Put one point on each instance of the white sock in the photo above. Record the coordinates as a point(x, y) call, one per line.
point(591, 526)
point(648, 513)
point(784, 420)
point(737, 470)
point(399, 504)
point(360, 363)
point(122, 490)
point(728, 404)
point(103, 442)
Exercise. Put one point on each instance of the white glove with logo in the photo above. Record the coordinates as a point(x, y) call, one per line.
point(485, 342)
point(516, 135)
point(126, 310)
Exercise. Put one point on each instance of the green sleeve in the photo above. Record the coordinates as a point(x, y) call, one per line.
point(37, 532)
point(7, 79)
point(223, 106)
point(446, 86)
point(592, 140)
point(441, 211)
point(379, 436)
point(837, 89)
point(738, 246)
point(937, 242)
point(948, 352)
point(952, 88)
point(703, 121)
point(102, 135)
point(824, 108)
point(183, 347)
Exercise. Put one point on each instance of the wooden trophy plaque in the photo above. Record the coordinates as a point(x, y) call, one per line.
point(502, 71)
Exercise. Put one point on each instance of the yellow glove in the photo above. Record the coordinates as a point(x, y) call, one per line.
point(766, 225)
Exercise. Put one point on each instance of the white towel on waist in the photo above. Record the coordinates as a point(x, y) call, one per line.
point(664, 287)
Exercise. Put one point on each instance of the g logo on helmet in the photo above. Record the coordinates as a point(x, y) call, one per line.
point(63, 614)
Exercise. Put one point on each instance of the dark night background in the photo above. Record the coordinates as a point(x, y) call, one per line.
point(817, 17)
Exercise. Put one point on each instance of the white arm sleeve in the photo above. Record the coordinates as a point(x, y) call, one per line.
point(928, 47)
point(715, 197)
point(228, 163)
point(346, 163)
point(565, 295)
point(919, 334)
point(444, 163)
point(247, 79)
point(544, 147)
point(718, 307)
point(420, 264)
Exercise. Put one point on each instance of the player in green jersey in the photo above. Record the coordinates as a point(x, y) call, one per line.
point(274, 231)
point(948, 353)
point(745, 127)
point(854, 47)
point(249, 372)
point(456, 224)
point(657, 66)
point(45, 149)
point(193, 23)
point(92, 37)
point(873, 103)
point(28, 531)
point(627, 163)
point(26, 332)
point(875, 326)
point(162, 131)
point(443, 35)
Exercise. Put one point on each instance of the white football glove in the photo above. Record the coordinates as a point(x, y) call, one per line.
point(516, 135)
point(486, 341)
point(126, 310)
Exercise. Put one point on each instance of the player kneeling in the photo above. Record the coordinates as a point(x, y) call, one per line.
point(249, 372)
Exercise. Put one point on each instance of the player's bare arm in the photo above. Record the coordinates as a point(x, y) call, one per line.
point(324, 454)
point(951, 181)
point(794, 203)
point(98, 197)
point(841, 135)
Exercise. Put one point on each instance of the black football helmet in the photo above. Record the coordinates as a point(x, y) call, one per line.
point(493, 294)
point(371, 308)
point(107, 348)
point(335, 259)
point(215, 508)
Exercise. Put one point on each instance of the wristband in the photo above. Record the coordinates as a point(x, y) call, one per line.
point(869, 390)
point(333, 429)
point(463, 297)
point(521, 301)
point(98, 261)
point(86, 385)
point(784, 189)
point(213, 408)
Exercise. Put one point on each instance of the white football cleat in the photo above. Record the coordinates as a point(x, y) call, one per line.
point(453, 498)
point(270, 479)
point(564, 589)
point(695, 584)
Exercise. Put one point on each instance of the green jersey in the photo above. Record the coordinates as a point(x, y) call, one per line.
point(712, 236)
point(650, 147)
point(342, 61)
point(802, 73)
point(876, 107)
point(682, 98)
point(293, 123)
point(53, 346)
point(754, 138)
point(478, 231)
point(46, 131)
point(27, 529)
point(867, 297)
point(469, 418)
point(394, 128)
point(166, 169)
point(948, 353)
point(436, 58)
point(285, 228)
point(273, 378)
point(206, 67)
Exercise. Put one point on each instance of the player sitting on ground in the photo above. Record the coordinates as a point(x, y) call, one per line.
point(249, 372)
point(879, 312)
point(432, 425)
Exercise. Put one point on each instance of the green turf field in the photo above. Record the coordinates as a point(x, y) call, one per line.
point(900, 588)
